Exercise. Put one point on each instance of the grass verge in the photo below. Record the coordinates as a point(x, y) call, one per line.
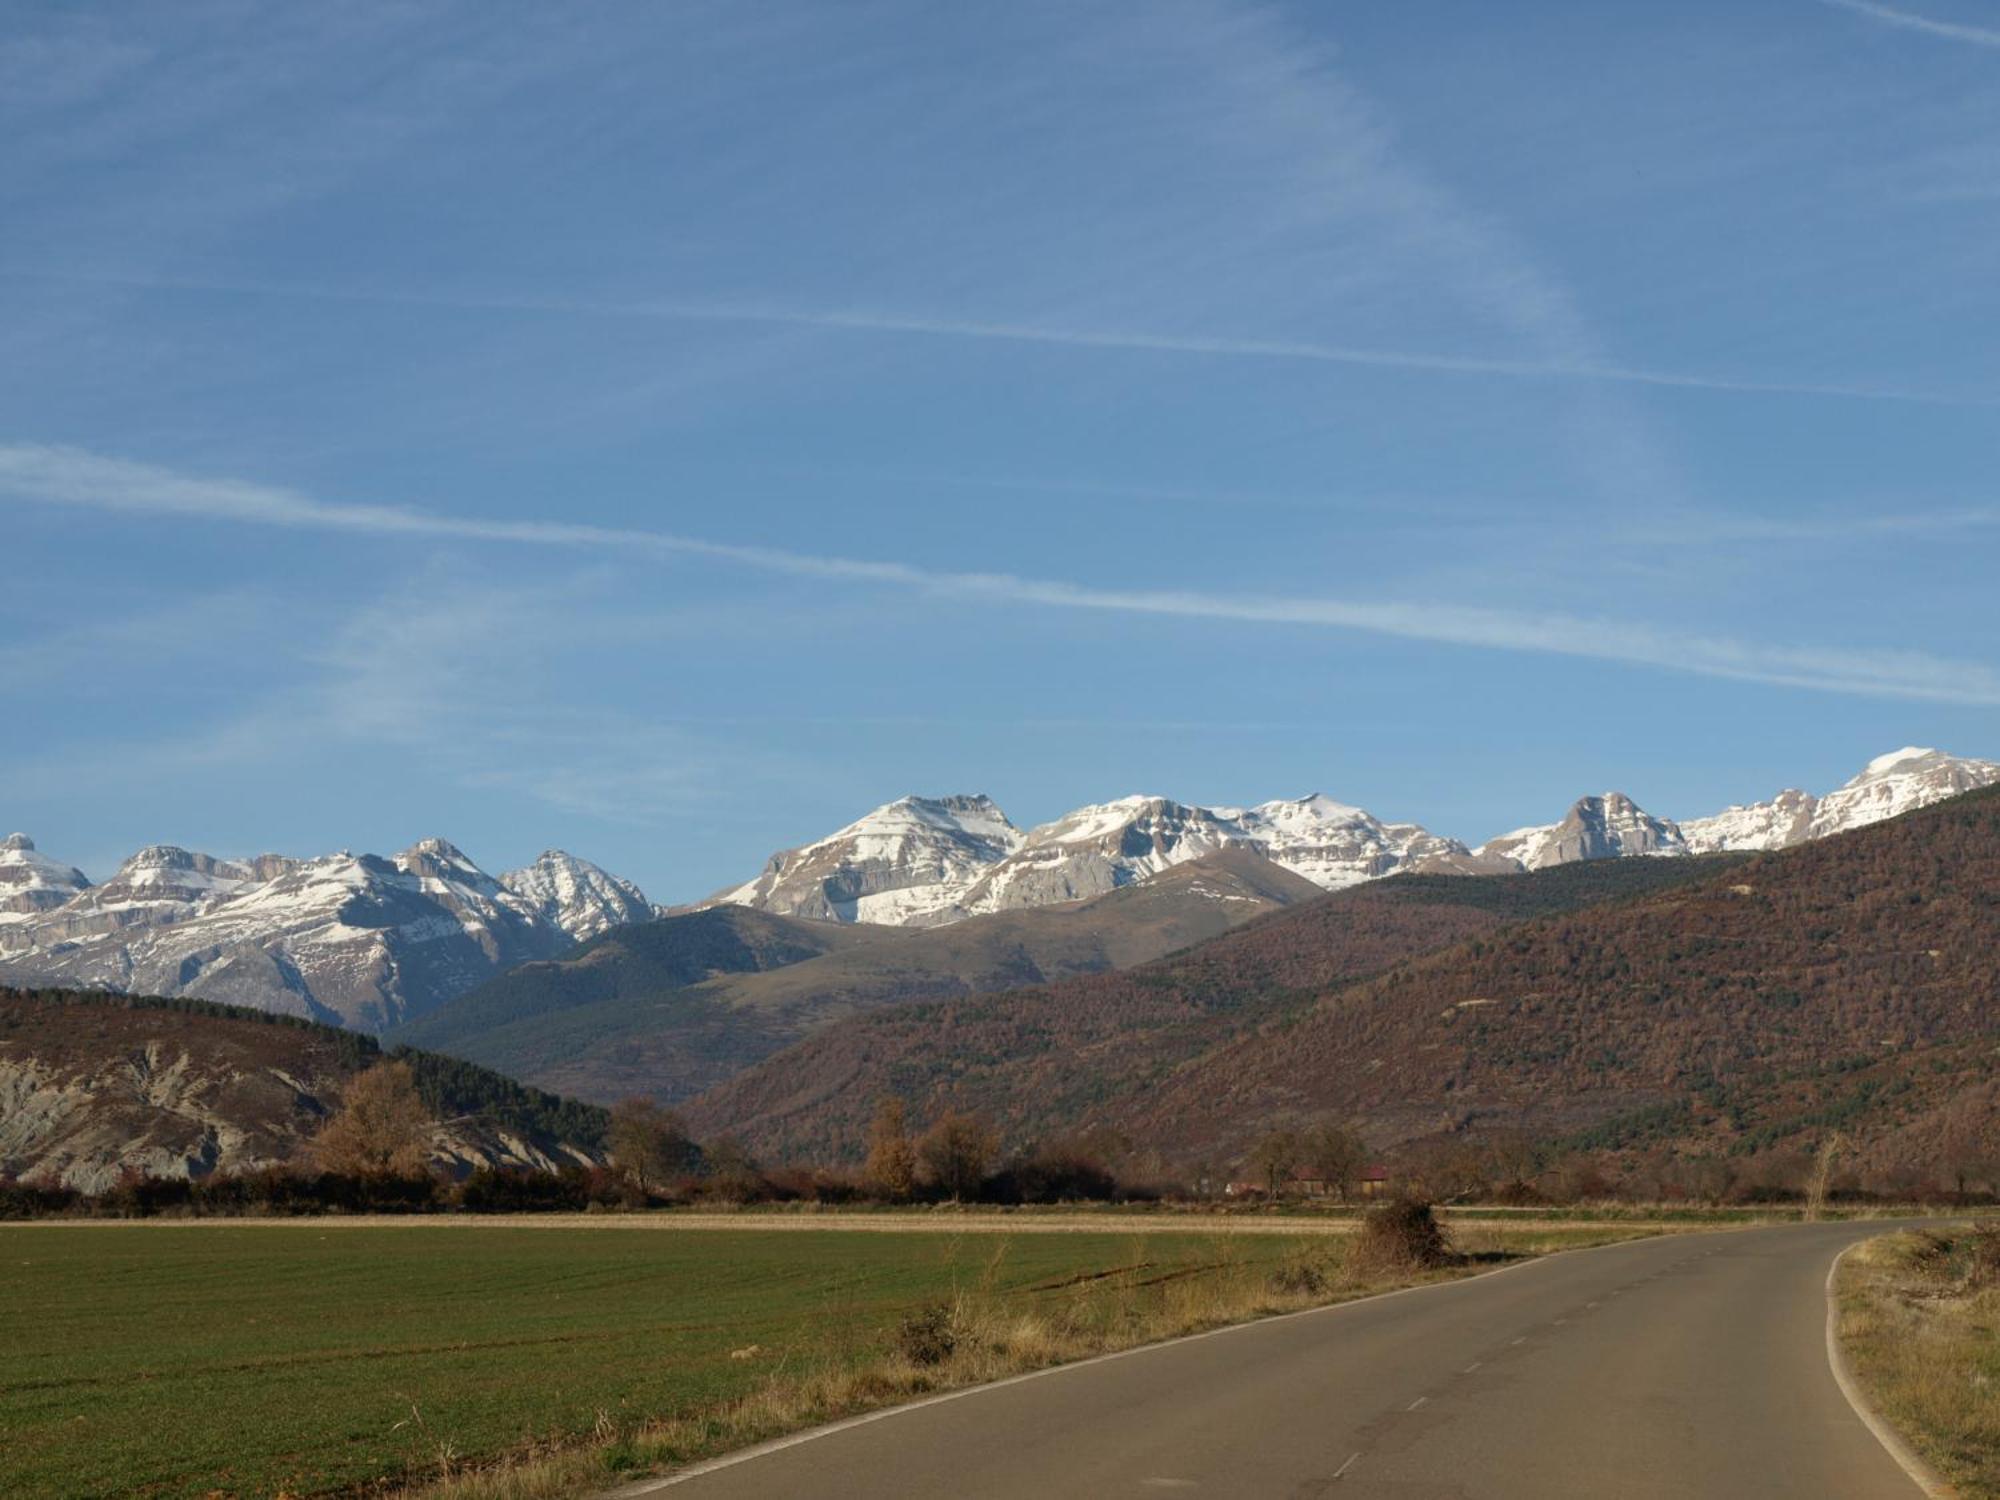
point(1919, 1323)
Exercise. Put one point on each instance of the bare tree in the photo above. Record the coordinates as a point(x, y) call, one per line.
point(647, 1142)
point(1275, 1158)
point(956, 1152)
point(1822, 1174)
point(381, 1129)
point(1336, 1153)
point(1712, 1177)
point(891, 1171)
point(732, 1170)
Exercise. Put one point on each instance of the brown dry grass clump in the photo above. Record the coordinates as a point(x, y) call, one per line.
point(1919, 1322)
point(1400, 1237)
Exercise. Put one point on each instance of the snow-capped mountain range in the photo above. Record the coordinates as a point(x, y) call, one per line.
point(352, 938)
point(924, 861)
point(370, 941)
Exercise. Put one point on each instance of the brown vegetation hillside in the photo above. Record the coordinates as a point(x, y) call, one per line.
point(1853, 985)
point(1052, 1057)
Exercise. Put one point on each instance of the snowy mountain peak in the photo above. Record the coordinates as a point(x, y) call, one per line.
point(1898, 782)
point(31, 883)
point(1778, 824)
point(173, 857)
point(1319, 806)
point(1098, 848)
point(1605, 826)
point(1881, 765)
point(576, 895)
point(1107, 819)
point(436, 851)
point(1334, 844)
point(444, 865)
point(908, 861)
point(975, 816)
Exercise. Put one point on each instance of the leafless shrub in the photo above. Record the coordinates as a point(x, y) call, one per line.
point(928, 1336)
point(1401, 1235)
point(1302, 1277)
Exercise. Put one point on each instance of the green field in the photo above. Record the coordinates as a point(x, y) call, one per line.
point(299, 1357)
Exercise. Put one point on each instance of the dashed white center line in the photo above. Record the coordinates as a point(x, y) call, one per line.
point(1522, 1339)
point(1470, 1368)
point(1416, 1403)
point(1346, 1466)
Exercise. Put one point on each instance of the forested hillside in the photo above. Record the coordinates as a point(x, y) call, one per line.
point(1845, 984)
point(1055, 1056)
point(1638, 1011)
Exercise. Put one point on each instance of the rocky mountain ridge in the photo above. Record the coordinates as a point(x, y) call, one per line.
point(371, 942)
point(353, 938)
point(925, 862)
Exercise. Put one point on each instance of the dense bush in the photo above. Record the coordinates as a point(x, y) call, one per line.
point(20, 1200)
point(1401, 1235)
point(508, 1190)
point(274, 1192)
point(1052, 1176)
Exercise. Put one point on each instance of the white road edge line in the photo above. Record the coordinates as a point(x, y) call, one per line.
point(813, 1434)
point(1926, 1478)
point(1346, 1466)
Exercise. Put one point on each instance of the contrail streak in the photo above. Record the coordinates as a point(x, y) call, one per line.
point(73, 477)
point(1112, 340)
point(1978, 36)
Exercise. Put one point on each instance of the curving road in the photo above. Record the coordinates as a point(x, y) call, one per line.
point(1688, 1367)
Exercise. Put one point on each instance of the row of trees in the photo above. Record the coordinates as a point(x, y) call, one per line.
point(958, 1159)
point(376, 1152)
point(1326, 1153)
point(383, 1131)
point(953, 1156)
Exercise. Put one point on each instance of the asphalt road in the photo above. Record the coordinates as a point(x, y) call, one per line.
point(1690, 1366)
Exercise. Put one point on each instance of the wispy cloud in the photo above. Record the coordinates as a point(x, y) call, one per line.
point(1709, 529)
point(67, 476)
point(461, 680)
point(1574, 369)
point(1978, 36)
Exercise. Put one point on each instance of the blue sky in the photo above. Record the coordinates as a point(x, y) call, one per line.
point(666, 431)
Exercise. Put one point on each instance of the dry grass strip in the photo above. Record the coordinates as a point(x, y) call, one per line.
point(1919, 1322)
